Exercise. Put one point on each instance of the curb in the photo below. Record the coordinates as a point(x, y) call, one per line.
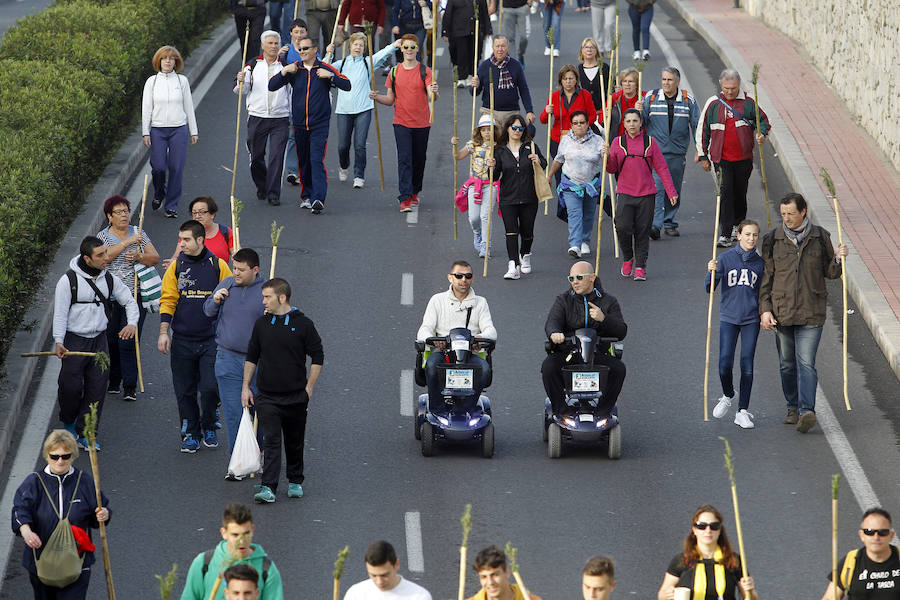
point(114, 180)
point(870, 300)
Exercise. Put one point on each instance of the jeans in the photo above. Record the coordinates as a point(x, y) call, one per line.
point(640, 26)
point(735, 179)
point(514, 29)
point(581, 211)
point(435, 384)
point(281, 13)
point(229, 370)
point(272, 133)
point(290, 153)
point(282, 417)
point(797, 346)
point(603, 19)
point(664, 212)
point(122, 354)
point(553, 19)
point(478, 216)
point(168, 153)
point(728, 335)
point(634, 215)
point(412, 146)
point(358, 126)
point(193, 364)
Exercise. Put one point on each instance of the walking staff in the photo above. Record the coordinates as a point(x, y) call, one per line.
point(237, 135)
point(137, 285)
point(487, 249)
point(837, 216)
point(552, 42)
point(762, 160)
point(369, 28)
point(718, 179)
point(455, 150)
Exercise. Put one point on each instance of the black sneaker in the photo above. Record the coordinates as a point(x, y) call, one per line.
point(317, 207)
point(114, 387)
point(130, 394)
point(275, 201)
point(157, 202)
point(654, 233)
point(292, 179)
point(672, 231)
point(260, 195)
point(171, 214)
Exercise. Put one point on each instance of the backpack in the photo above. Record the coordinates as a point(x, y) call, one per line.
point(226, 231)
point(624, 143)
point(654, 96)
point(393, 76)
point(207, 558)
point(99, 298)
point(59, 564)
point(769, 243)
point(849, 567)
point(341, 71)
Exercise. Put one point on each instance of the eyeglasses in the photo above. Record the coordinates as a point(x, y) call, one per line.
point(199, 213)
point(462, 275)
point(579, 277)
point(305, 48)
point(407, 47)
point(579, 122)
point(702, 525)
point(60, 456)
point(121, 211)
point(517, 128)
point(868, 532)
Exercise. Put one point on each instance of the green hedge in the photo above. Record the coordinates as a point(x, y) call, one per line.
point(71, 79)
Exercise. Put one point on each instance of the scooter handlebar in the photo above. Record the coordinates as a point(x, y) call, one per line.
point(485, 344)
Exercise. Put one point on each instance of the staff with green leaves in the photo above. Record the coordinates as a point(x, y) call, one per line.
point(729, 465)
point(339, 571)
point(711, 295)
point(466, 522)
point(829, 184)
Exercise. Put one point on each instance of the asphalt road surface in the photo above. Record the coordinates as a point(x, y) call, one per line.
point(14, 10)
point(366, 478)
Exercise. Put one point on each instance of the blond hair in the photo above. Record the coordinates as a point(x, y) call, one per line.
point(60, 437)
point(166, 52)
point(629, 72)
point(584, 43)
point(359, 35)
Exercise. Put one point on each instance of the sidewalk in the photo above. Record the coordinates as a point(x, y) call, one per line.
point(812, 128)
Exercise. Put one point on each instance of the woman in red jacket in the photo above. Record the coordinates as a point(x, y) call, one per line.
point(623, 99)
point(566, 100)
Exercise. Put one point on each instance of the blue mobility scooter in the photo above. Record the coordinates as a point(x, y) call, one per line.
point(583, 384)
point(463, 418)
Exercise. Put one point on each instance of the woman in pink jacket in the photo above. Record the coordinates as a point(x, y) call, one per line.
point(632, 157)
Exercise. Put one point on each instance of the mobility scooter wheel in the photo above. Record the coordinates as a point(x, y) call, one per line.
point(614, 449)
point(487, 441)
point(554, 441)
point(427, 434)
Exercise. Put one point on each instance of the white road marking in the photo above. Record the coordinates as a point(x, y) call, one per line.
point(406, 289)
point(412, 217)
point(406, 392)
point(414, 553)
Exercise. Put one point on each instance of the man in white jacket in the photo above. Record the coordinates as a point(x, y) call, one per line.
point(80, 318)
point(268, 122)
point(459, 306)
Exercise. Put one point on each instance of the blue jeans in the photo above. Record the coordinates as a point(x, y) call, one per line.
point(230, 377)
point(290, 153)
point(358, 126)
point(193, 364)
point(664, 212)
point(640, 26)
point(581, 217)
point(552, 19)
point(412, 146)
point(168, 153)
point(797, 346)
point(728, 335)
point(280, 16)
point(122, 353)
point(478, 216)
point(435, 385)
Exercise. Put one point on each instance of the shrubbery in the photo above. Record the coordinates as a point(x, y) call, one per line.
point(70, 83)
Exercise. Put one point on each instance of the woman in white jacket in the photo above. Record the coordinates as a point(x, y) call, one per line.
point(167, 116)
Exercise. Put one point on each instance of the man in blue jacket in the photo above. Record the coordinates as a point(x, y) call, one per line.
point(509, 84)
point(312, 80)
point(671, 118)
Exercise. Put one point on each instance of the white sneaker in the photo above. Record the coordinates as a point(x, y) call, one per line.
point(743, 419)
point(734, 233)
point(722, 407)
point(546, 51)
point(574, 252)
point(645, 56)
point(636, 55)
point(556, 52)
point(513, 272)
point(585, 249)
point(305, 203)
point(358, 182)
point(526, 264)
point(343, 174)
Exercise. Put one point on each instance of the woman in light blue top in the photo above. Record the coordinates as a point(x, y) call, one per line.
point(354, 108)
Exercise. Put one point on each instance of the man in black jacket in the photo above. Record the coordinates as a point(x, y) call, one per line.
point(585, 305)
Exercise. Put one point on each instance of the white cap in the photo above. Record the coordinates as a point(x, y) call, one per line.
point(485, 121)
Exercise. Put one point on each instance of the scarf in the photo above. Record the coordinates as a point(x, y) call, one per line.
point(699, 592)
point(92, 271)
point(798, 235)
point(589, 188)
point(506, 81)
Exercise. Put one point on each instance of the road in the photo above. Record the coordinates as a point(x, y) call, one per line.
point(366, 478)
point(13, 10)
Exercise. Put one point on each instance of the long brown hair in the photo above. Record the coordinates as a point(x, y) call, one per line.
point(691, 555)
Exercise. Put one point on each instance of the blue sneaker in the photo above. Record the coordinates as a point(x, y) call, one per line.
point(209, 439)
point(70, 427)
point(83, 444)
point(189, 445)
point(295, 490)
point(265, 495)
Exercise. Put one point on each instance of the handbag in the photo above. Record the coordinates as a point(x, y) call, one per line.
point(246, 458)
point(59, 564)
point(427, 18)
point(541, 185)
point(149, 286)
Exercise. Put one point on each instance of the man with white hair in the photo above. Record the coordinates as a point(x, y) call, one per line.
point(268, 123)
point(725, 138)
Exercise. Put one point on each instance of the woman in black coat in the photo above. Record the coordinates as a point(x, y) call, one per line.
point(458, 30)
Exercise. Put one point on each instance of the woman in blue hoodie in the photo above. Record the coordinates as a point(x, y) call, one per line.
point(740, 269)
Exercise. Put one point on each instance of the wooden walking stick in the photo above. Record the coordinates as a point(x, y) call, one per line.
point(90, 432)
point(762, 159)
point(477, 53)
point(712, 289)
point(466, 521)
point(514, 567)
point(835, 485)
point(616, 39)
point(603, 177)
point(607, 116)
point(336, 22)
point(455, 150)
point(237, 136)
point(729, 464)
point(101, 359)
point(550, 118)
point(500, 18)
point(275, 236)
point(167, 583)
point(296, 9)
point(338, 571)
point(137, 285)
point(837, 216)
point(244, 538)
point(434, 37)
point(487, 247)
point(370, 27)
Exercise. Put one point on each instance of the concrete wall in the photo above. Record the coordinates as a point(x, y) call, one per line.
point(854, 43)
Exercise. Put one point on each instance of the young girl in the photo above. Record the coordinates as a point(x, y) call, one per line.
point(741, 269)
point(475, 189)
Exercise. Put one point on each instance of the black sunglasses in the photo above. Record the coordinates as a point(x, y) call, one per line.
point(60, 456)
point(462, 275)
point(517, 128)
point(702, 525)
point(579, 277)
point(868, 532)
point(305, 48)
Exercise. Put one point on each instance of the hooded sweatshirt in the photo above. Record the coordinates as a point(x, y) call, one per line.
point(198, 586)
point(237, 314)
point(742, 272)
point(184, 292)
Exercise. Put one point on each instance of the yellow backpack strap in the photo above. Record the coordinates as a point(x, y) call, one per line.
point(848, 568)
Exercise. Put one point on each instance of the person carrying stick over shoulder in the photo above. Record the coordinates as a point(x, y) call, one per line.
point(476, 188)
point(493, 575)
point(385, 581)
point(871, 572)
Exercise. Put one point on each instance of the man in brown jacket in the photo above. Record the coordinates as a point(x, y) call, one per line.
point(798, 257)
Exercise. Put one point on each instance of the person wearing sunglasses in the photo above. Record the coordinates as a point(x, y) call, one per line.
point(459, 306)
point(873, 571)
point(58, 488)
point(311, 80)
point(586, 304)
point(707, 565)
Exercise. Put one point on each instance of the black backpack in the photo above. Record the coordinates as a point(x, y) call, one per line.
point(624, 143)
point(99, 298)
point(393, 76)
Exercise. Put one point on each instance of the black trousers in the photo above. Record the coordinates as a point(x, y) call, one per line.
point(256, 17)
point(462, 54)
point(518, 220)
point(551, 373)
point(81, 381)
point(634, 216)
point(73, 591)
point(262, 132)
point(282, 416)
point(735, 179)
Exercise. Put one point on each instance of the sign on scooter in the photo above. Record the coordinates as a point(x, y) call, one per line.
point(459, 345)
point(459, 379)
point(585, 382)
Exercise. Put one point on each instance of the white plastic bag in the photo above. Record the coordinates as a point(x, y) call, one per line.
point(246, 458)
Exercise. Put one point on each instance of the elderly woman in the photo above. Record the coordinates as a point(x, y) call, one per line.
point(623, 99)
point(167, 116)
point(219, 238)
point(707, 565)
point(124, 251)
point(570, 97)
point(580, 157)
point(353, 109)
point(58, 489)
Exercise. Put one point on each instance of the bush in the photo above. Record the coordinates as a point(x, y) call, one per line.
point(71, 79)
